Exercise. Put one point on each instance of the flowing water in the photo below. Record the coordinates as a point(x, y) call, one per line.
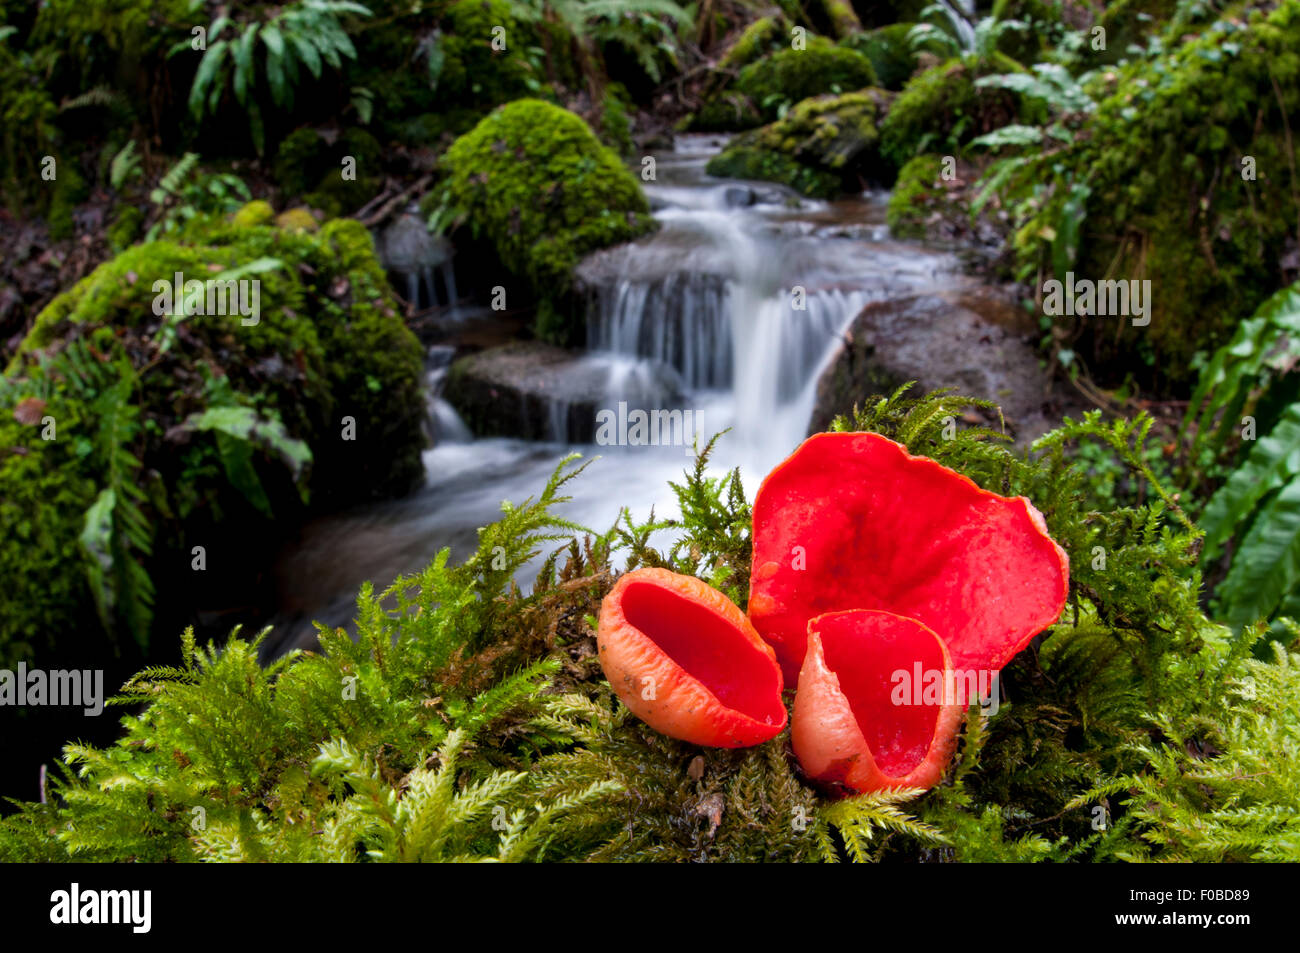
point(744, 293)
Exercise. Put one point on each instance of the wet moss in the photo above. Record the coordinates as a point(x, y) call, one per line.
point(914, 195)
point(327, 343)
point(788, 76)
point(767, 85)
point(765, 35)
point(941, 109)
point(1172, 199)
point(822, 147)
point(534, 182)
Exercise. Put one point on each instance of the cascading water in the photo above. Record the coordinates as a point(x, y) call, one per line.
point(731, 310)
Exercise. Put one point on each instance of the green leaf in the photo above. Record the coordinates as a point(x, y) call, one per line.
point(1267, 565)
point(1273, 460)
point(206, 77)
point(239, 431)
point(244, 63)
point(96, 543)
point(308, 53)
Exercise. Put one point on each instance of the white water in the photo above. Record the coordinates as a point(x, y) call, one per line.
point(715, 295)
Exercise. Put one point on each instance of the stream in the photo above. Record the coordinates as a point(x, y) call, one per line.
point(716, 296)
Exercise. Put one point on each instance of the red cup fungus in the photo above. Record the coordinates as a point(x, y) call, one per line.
point(685, 660)
point(853, 521)
point(852, 726)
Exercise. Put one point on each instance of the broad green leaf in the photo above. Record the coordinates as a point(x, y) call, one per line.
point(1273, 461)
point(1266, 565)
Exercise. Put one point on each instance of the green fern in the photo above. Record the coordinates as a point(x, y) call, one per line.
point(302, 37)
point(1250, 384)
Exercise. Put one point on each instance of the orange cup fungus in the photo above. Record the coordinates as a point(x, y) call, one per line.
point(853, 521)
point(870, 566)
point(851, 726)
point(686, 661)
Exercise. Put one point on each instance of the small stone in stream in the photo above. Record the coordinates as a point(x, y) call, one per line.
point(739, 196)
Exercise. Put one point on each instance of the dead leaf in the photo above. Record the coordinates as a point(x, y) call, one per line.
point(29, 411)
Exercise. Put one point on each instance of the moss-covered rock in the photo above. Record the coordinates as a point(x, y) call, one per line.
point(890, 54)
point(534, 182)
point(768, 85)
point(116, 389)
point(941, 109)
point(822, 147)
point(791, 75)
point(1189, 166)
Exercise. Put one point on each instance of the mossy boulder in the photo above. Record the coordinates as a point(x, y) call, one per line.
point(535, 184)
point(888, 50)
point(235, 421)
point(823, 146)
point(791, 75)
point(769, 85)
point(941, 109)
point(1190, 170)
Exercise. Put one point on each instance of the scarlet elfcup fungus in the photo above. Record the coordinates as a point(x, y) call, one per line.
point(686, 661)
point(853, 521)
point(849, 725)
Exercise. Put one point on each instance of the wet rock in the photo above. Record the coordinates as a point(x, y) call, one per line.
point(823, 146)
point(739, 196)
point(535, 391)
point(971, 340)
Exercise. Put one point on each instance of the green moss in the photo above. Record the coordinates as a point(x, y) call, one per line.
point(128, 224)
point(297, 220)
point(69, 190)
point(890, 54)
point(841, 17)
point(822, 147)
point(256, 212)
point(615, 123)
point(307, 163)
point(45, 487)
point(534, 182)
point(328, 343)
point(1129, 22)
point(765, 35)
point(473, 72)
point(788, 76)
point(940, 110)
point(1163, 159)
point(769, 84)
point(913, 196)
